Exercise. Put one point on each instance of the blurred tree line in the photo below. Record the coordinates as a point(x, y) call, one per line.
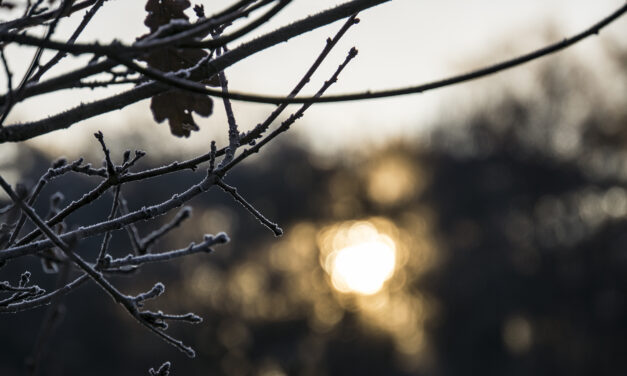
point(510, 236)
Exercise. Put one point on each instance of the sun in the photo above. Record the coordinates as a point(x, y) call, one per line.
point(361, 259)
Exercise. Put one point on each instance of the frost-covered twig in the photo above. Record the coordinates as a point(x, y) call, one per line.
point(21, 292)
point(153, 293)
point(176, 200)
point(331, 42)
point(60, 55)
point(58, 168)
point(144, 213)
point(46, 298)
point(53, 317)
point(24, 131)
point(128, 163)
point(131, 229)
point(107, 237)
point(110, 167)
point(233, 131)
point(292, 119)
point(159, 319)
point(87, 198)
point(149, 239)
point(164, 370)
point(126, 301)
point(132, 260)
point(278, 231)
point(112, 180)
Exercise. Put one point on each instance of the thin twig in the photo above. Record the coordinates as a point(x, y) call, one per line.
point(164, 370)
point(331, 42)
point(20, 132)
point(110, 167)
point(233, 131)
point(126, 301)
point(54, 315)
point(152, 41)
point(35, 61)
point(133, 260)
point(197, 88)
point(79, 29)
point(131, 230)
point(182, 215)
point(58, 168)
point(44, 299)
point(257, 131)
point(144, 213)
point(297, 115)
point(278, 231)
point(9, 75)
point(36, 20)
point(107, 237)
point(177, 200)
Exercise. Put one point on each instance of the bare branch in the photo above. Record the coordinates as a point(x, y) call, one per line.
point(278, 231)
point(107, 237)
point(147, 319)
point(164, 370)
point(144, 213)
point(9, 96)
point(132, 260)
point(20, 132)
point(233, 131)
point(182, 215)
point(79, 29)
point(44, 299)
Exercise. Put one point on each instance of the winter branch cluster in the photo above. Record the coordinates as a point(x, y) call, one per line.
point(180, 65)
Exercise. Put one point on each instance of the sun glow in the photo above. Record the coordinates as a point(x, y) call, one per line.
point(371, 265)
point(361, 259)
point(363, 268)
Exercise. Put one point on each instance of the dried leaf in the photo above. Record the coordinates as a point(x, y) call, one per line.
point(177, 105)
point(161, 12)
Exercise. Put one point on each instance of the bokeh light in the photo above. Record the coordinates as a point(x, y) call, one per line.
point(361, 259)
point(517, 334)
point(363, 267)
point(392, 180)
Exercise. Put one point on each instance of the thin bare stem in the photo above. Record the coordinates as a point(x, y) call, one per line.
point(297, 115)
point(164, 370)
point(107, 237)
point(58, 168)
point(205, 246)
point(44, 299)
point(126, 301)
point(144, 213)
point(54, 315)
point(233, 131)
point(79, 29)
point(20, 132)
point(35, 62)
point(182, 215)
point(177, 200)
point(9, 75)
point(278, 231)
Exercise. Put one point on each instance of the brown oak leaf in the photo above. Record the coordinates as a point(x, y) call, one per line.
point(175, 105)
point(161, 12)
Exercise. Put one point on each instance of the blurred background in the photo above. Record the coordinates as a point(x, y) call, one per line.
point(478, 229)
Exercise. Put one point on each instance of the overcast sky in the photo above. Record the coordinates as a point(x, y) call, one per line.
point(400, 43)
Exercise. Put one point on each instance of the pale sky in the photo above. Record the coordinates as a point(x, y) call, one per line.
point(400, 43)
